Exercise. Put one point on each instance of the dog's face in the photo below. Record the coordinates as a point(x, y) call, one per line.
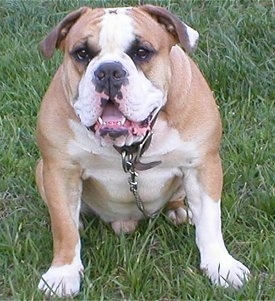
point(117, 96)
point(117, 72)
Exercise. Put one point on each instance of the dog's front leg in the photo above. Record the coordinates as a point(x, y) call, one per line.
point(60, 188)
point(203, 188)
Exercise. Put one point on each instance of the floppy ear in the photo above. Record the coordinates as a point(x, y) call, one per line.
point(186, 36)
point(55, 37)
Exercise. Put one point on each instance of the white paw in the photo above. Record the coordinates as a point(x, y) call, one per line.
point(226, 272)
point(180, 215)
point(63, 281)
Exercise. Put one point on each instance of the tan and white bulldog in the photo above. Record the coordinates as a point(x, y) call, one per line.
point(127, 102)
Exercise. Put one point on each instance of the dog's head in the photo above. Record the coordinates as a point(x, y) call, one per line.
point(116, 66)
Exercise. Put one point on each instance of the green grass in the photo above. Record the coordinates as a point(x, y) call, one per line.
point(159, 261)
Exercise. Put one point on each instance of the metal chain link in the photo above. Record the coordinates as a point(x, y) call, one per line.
point(129, 167)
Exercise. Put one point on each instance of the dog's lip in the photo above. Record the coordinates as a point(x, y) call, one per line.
point(114, 120)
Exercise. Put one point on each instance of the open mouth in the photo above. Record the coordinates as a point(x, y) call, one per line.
point(113, 123)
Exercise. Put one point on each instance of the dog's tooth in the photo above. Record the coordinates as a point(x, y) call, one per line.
point(123, 121)
point(100, 120)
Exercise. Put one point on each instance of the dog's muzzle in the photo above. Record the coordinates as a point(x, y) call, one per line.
point(108, 80)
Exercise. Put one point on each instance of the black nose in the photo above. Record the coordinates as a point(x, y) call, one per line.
point(109, 77)
point(111, 71)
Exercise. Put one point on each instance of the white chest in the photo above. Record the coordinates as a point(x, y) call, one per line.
point(106, 187)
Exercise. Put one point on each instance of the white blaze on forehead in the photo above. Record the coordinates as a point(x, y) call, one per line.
point(117, 31)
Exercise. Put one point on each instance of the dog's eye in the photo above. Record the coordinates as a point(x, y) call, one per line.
point(142, 53)
point(82, 55)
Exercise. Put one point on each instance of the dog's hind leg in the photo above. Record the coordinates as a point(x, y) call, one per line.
point(177, 210)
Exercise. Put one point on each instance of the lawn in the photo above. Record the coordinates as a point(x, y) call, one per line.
point(159, 261)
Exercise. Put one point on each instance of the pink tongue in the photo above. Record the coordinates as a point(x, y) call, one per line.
point(111, 113)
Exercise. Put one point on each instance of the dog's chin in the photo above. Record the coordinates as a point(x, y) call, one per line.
point(119, 141)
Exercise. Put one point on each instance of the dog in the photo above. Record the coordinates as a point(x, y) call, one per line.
point(127, 127)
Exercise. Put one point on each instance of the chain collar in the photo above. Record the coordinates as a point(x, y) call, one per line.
point(130, 156)
point(130, 163)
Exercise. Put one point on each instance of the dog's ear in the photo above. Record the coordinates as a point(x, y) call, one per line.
point(55, 37)
point(185, 35)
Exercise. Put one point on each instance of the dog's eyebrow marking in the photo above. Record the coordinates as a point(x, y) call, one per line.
point(114, 11)
point(138, 43)
point(86, 45)
point(117, 31)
